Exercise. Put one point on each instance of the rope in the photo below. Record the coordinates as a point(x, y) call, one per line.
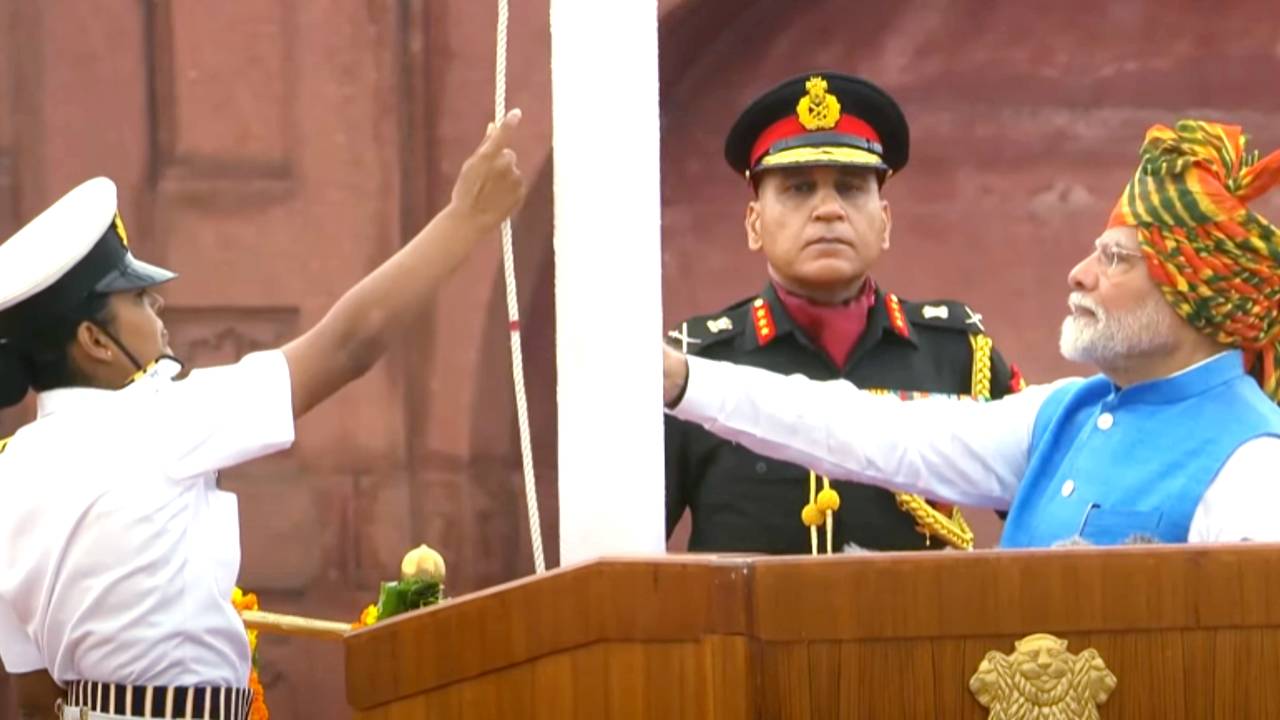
point(513, 312)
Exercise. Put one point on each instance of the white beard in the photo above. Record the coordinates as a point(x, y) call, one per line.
point(1106, 340)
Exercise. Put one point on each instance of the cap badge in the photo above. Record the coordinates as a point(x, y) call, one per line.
point(817, 110)
point(119, 223)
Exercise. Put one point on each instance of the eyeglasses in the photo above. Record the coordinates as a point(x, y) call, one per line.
point(1112, 258)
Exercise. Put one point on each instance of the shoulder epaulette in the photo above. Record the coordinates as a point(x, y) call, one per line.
point(4, 443)
point(697, 333)
point(945, 314)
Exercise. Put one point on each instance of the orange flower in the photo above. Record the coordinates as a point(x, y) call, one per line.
point(368, 617)
point(258, 710)
point(242, 601)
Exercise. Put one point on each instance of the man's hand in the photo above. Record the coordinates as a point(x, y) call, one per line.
point(489, 186)
point(675, 375)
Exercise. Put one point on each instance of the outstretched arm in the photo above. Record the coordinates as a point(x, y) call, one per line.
point(954, 450)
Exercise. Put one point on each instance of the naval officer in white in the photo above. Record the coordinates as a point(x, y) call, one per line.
point(118, 553)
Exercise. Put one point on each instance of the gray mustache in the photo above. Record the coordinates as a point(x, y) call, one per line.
point(1077, 301)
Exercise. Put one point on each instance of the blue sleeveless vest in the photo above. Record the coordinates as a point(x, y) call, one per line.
point(1111, 466)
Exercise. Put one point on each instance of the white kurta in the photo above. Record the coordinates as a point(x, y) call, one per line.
point(961, 452)
point(118, 553)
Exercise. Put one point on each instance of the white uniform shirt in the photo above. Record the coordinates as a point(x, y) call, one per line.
point(962, 452)
point(118, 553)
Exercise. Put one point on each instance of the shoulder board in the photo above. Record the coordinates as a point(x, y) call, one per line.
point(944, 314)
point(699, 332)
point(4, 443)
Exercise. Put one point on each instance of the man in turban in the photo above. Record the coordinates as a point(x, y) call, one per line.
point(1172, 442)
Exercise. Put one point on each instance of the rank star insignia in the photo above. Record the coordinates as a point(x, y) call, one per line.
point(973, 319)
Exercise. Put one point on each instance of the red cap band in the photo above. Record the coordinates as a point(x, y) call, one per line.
point(790, 126)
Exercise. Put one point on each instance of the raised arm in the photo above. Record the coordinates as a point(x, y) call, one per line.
point(358, 329)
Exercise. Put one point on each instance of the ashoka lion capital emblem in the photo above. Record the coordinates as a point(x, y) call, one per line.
point(817, 110)
point(1042, 681)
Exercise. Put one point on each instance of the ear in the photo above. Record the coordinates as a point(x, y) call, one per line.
point(93, 343)
point(755, 239)
point(888, 224)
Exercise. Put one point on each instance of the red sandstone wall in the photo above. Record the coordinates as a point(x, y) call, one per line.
point(275, 151)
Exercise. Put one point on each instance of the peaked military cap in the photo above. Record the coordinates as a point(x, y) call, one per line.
point(820, 118)
point(75, 248)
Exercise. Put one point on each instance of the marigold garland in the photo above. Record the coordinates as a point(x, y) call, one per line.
point(421, 584)
point(243, 601)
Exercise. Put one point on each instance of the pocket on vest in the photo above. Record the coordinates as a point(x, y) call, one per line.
point(1121, 527)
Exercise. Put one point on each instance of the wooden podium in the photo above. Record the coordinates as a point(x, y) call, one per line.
point(1189, 633)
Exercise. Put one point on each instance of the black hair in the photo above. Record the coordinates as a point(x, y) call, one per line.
point(41, 360)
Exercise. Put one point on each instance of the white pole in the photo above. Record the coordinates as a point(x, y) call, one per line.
point(604, 101)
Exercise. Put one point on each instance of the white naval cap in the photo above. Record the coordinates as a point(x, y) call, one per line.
point(75, 249)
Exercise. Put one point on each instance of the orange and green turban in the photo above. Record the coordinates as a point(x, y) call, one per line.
point(1216, 261)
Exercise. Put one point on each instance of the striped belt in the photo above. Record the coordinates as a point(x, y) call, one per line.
point(161, 703)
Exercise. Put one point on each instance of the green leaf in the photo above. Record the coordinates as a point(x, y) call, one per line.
point(405, 595)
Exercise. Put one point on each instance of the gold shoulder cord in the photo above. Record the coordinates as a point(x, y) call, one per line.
point(981, 366)
point(953, 530)
point(930, 522)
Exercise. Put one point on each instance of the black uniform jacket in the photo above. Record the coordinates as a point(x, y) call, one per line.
point(744, 502)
